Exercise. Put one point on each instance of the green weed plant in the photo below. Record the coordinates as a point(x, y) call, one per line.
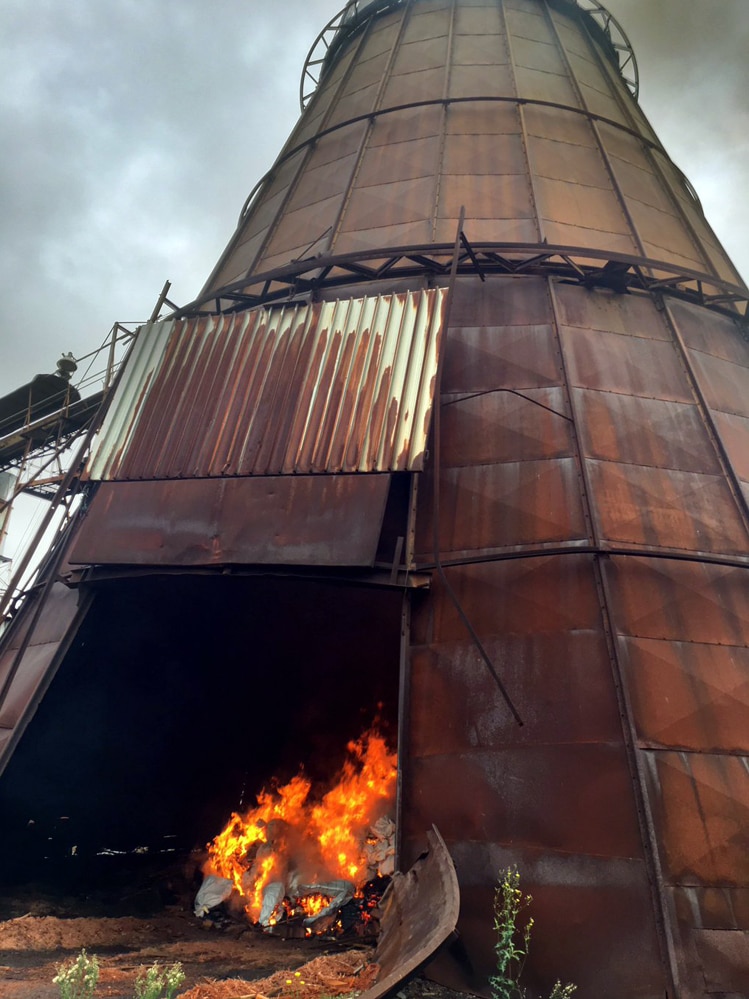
point(159, 983)
point(513, 940)
point(77, 980)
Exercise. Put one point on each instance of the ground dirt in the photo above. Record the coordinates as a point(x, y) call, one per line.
point(33, 946)
point(39, 931)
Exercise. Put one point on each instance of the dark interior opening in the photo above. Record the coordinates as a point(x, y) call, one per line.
point(181, 697)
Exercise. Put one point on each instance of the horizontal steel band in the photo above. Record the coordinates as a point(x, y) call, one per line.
point(583, 548)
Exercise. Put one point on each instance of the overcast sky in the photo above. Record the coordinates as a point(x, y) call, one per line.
point(132, 131)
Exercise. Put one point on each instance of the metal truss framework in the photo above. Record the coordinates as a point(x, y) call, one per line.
point(46, 455)
point(46, 438)
point(358, 12)
point(622, 273)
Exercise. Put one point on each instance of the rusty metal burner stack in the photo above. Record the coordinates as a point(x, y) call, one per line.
point(589, 562)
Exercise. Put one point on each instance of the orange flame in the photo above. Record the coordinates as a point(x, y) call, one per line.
point(312, 905)
point(288, 837)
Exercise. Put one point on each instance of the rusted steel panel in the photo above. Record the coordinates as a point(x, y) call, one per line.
point(466, 81)
point(688, 694)
point(374, 209)
point(535, 84)
point(289, 238)
point(559, 160)
point(478, 20)
point(618, 363)
point(339, 386)
point(31, 670)
point(710, 333)
point(482, 794)
point(419, 913)
point(320, 183)
point(636, 174)
point(652, 432)
point(481, 118)
point(724, 961)
point(477, 156)
point(554, 797)
point(597, 906)
point(701, 801)
point(493, 358)
point(406, 160)
point(502, 198)
point(663, 234)
point(408, 87)
point(723, 383)
point(23, 681)
point(713, 908)
point(576, 704)
point(549, 593)
point(512, 504)
point(495, 426)
point(684, 649)
point(513, 301)
point(734, 435)
point(423, 44)
point(680, 601)
point(559, 125)
point(574, 204)
point(284, 520)
point(631, 315)
point(402, 126)
point(666, 508)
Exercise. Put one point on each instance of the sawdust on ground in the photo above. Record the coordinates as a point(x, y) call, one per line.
point(32, 948)
point(218, 964)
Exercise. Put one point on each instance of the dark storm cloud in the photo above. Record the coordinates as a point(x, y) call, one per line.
point(133, 132)
point(134, 129)
point(694, 87)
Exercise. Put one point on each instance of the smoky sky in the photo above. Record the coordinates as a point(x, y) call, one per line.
point(134, 129)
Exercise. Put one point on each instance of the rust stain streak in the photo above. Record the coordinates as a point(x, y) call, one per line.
point(333, 387)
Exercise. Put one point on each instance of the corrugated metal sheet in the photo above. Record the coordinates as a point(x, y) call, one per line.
point(333, 387)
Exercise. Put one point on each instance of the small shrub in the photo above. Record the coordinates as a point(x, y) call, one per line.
point(514, 940)
point(78, 979)
point(159, 983)
point(562, 991)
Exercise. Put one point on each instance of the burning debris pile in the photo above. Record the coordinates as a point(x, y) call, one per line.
point(306, 863)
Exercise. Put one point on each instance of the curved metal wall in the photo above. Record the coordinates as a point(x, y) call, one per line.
point(592, 487)
point(593, 525)
point(592, 479)
point(606, 431)
point(524, 120)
